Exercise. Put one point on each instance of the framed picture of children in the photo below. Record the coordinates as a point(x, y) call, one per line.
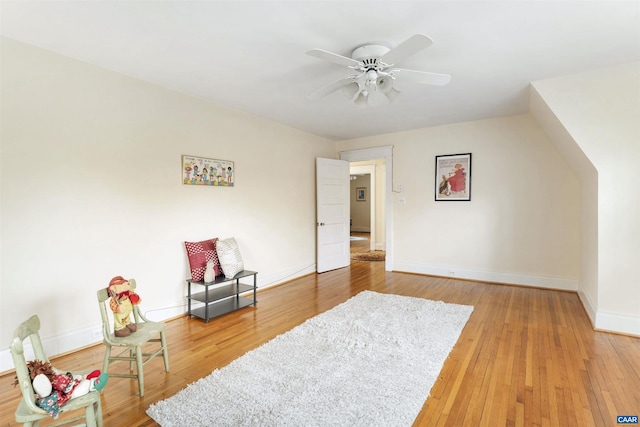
point(211, 172)
point(453, 177)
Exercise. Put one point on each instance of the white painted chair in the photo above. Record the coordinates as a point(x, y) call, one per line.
point(28, 412)
point(147, 332)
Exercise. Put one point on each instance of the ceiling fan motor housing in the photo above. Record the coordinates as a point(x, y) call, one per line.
point(369, 53)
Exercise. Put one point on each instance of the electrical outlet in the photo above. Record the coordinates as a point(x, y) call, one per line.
point(399, 188)
point(452, 273)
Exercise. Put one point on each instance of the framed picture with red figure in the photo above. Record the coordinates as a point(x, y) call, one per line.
point(453, 177)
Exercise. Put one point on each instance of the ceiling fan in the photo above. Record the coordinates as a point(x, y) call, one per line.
point(375, 71)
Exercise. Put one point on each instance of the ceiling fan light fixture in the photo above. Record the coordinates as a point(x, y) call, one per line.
point(392, 94)
point(361, 101)
point(384, 84)
point(351, 90)
point(377, 98)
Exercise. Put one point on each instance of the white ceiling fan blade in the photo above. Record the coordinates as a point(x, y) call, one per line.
point(407, 48)
point(424, 77)
point(331, 87)
point(333, 57)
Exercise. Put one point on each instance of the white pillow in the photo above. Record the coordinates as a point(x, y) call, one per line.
point(229, 257)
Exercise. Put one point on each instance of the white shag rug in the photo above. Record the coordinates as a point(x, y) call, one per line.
point(370, 361)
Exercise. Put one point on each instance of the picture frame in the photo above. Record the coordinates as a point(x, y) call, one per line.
point(361, 194)
point(453, 177)
point(207, 172)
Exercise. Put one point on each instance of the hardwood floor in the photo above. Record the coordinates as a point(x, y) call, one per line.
point(360, 245)
point(527, 357)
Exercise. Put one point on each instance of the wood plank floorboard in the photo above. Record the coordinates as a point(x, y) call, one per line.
point(527, 357)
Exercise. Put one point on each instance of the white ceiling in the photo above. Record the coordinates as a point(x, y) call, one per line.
point(250, 55)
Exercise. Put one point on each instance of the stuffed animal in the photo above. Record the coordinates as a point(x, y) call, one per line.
point(53, 388)
point(123, 298)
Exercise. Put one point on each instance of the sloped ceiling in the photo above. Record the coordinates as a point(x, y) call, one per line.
point(250, 56)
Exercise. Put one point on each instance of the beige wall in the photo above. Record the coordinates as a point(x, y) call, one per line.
point(596, 116)
point(522, 223)
point(361, 210)
point(91, 189)
point(555, 195)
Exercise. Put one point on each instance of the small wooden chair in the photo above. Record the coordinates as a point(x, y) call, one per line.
point(28, 412)
point(147, 332)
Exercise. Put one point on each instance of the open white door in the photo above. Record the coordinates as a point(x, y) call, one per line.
point(332, 214)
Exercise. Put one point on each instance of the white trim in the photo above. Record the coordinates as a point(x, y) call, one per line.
point(619, 323)
point(279, 277)
point(59, 344)
point(386, 153)
point(557, 283)
point(364, 230)
point(89, 335)
point(588, 306)
point(602, 321)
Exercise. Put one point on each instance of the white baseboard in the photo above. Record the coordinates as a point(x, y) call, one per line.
point(266, 280)
point(489, 276)
point(83, 337)
point(619, 323)
point(357, 229)
point(613, 322)
point(588, 307)
point(603, 321)
point(92, 334)
point(610, 322)
point(58, 344)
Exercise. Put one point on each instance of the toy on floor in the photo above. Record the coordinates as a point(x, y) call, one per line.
point(123, 298)
point(54, 388)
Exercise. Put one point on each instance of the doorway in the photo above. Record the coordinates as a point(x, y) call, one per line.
point(362, 211)
point(381, 160)
point(363, 198)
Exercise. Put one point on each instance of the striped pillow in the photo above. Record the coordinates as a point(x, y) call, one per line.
point(229, 256)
